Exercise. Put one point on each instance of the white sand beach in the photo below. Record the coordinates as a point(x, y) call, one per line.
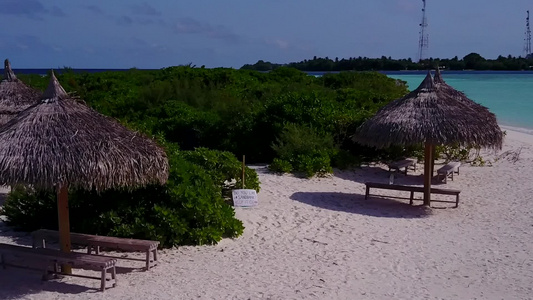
point(319, 239)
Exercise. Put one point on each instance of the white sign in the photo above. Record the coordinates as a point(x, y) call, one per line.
point(244, 198)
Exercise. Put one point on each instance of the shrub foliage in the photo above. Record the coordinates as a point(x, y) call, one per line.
point(208, 118)
point(189, 209)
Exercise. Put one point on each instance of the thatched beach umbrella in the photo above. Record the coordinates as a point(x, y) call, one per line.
point(434, 115)
point(15, 96)
point(61, 143)
point(482, 111)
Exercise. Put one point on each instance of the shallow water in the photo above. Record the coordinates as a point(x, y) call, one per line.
point(509, 95)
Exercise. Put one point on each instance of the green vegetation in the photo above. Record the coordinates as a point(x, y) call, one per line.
point(189, 209)
point(206, 119)
point(472, 61)
point(239, 111)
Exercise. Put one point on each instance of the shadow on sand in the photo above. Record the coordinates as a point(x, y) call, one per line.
point(356, 203)
point(21, 238)
point(17, 283)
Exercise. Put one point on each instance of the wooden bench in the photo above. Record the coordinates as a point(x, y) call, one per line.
point(449, 169)
point(412, 189)
point(404, 163)
point(400, 164)
point(54, 258)
point(94, 242)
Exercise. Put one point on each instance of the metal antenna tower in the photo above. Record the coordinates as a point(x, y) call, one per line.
point(423, 40)
point(527, 46)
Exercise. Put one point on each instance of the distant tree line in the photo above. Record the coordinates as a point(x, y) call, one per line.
point(472, 61)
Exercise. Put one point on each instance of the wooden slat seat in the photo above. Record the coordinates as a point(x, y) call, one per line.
point(94, 242)
point(54, 258)
point(412, 189)
point(404, 163)
point(449, 169)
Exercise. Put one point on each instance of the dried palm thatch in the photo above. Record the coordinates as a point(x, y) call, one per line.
point(15, 96)
point(62, 141)
point(433, 113)
point(460, 96)
point(483, 114)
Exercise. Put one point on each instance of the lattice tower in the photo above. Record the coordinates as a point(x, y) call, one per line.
point(423, 40)
point(527, 45)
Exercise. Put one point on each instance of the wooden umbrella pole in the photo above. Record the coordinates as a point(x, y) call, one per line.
point(243, 172)
point(428, 158)
point(64, 223)
point(433, 156)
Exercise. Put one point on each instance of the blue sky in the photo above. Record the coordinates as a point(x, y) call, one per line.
point(162, 33)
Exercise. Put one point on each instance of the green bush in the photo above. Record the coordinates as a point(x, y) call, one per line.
point(224, 168)
point(454, 152)
point(280, 166)
point(240, 111)
point(188, 210)
point(300, 123)
point(345, 160)
point(300, 139)
point(28, 209)
point(305, 149)
point(184, 124)
point(317, 162)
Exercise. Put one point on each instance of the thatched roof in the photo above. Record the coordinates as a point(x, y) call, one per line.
point(62, 140)
point(15, 96)
point(431, 113)
point(442, 85)
point(483, 112)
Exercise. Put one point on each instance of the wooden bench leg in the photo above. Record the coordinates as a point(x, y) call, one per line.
point(56, 270)
point(45, 277)
point(457, 201)
point(367, 192)
point(102, 283)
point(147, 260)
point(114, 276)
point(154, 253)
point(411, 198)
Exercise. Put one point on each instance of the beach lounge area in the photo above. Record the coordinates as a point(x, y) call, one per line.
point(319, 239)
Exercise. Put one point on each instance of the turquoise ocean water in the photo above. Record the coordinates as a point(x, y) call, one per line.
point(509, 95)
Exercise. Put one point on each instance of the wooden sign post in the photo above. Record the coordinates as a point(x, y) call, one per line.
point(244, 197)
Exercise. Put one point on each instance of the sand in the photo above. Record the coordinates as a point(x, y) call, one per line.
point(319, 239)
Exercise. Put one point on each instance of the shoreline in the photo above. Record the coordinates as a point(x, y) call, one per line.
point(528, 131)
